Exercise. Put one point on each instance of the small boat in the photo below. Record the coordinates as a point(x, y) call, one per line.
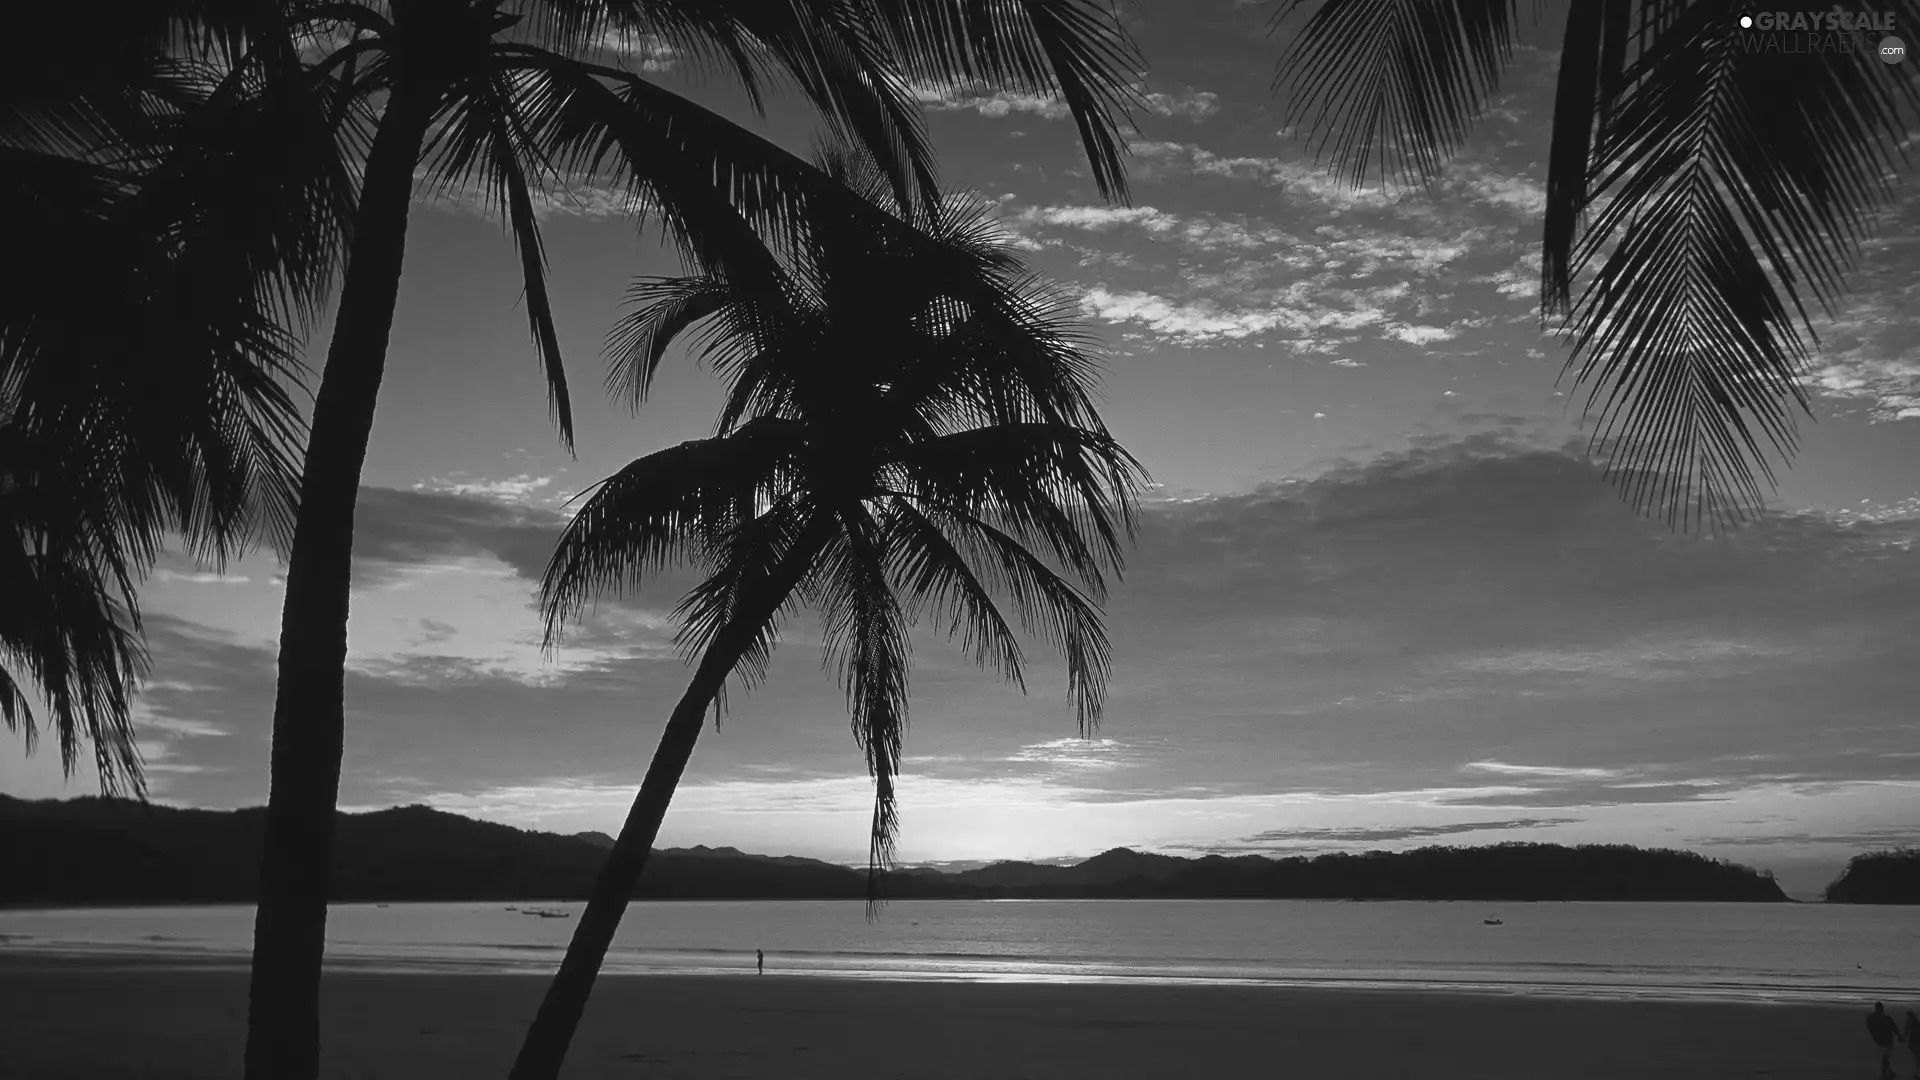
point(547, 913)
point(1493, 922)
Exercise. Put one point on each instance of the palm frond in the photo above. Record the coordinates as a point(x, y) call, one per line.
point(1736, 192)
point(938, 580)
point(865, 636)
point(1592, 69)
point(662, 310)
point(831, 50)
point(1074, 49)
point(659, 511)
point(723, 193)
point(1393, 84)
point(1049, 605)
point(1070, 491)
point(485, 140)
point(81, 649)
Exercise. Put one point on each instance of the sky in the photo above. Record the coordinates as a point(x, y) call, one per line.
point(1380, 596)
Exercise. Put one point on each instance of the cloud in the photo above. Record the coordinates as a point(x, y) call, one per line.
point(1188, 322)
point(979, 98)
point(647, 53)
point(1194, 232)
point(200, 577)
point(982, 98)
point(1426, 642)
point(1517, 194)
point(1100, 218)
point(1419, 335)
point(509, 489)
point(1376, 835)
point(1073, 754)
point(396, 529)
point(1187, 104)
point(1298, 177)
point(562, 196)
point(1556, 771)
point(1311, 317)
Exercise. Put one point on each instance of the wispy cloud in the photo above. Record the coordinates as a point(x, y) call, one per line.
point(982, 99)
point(1188, 104)
point(647, 53)
point(506, 489)
point(203, 577)
point(1557, 771)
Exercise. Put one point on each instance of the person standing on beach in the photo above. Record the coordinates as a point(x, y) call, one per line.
point(1881, 1027)
point(1913, 1041)
point(760, 963)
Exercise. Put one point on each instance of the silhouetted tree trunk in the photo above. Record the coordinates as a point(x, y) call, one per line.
point(289, 931)
point(545, 1048)
point(546, 1044)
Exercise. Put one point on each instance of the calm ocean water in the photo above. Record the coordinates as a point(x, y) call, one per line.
point(1723, 951)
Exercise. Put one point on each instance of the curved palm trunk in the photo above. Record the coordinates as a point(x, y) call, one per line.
point(546, 1044)
point(547, 1040)
point(289, 932)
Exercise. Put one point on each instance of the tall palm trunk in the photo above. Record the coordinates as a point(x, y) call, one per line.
point(289, 932)
point(547, 1040)
point(546, 1044)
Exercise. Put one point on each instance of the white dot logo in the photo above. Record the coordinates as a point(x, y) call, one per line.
point(1892, 49)
point(1746, 22)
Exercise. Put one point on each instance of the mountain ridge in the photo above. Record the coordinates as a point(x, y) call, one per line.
point(94, 850)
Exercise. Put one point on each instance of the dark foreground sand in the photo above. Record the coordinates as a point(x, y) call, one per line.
point(85, 1020)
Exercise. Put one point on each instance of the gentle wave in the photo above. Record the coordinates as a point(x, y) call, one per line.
point(1696, 952)
point(1600, 981)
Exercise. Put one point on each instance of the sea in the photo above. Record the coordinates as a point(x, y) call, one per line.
point(1729, 952)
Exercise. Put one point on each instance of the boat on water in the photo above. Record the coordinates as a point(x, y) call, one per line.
point(547, 913)
point(1493, 922)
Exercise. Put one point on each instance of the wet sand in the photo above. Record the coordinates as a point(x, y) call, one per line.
point(82, 1020)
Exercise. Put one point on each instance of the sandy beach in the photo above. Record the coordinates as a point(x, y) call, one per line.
point(95, 1020)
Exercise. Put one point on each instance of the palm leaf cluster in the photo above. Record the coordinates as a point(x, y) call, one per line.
point(908, 430)
point(525, 99)
point(170, 252)
point(1709, 195)
point(185, 191)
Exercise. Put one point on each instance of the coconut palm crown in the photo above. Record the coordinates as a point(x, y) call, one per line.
point(908, 431)
point(175, 198)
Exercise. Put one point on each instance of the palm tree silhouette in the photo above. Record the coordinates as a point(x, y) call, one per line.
point(907, 430)
point(1707, 188)
point(148, 356)
point(513, 98)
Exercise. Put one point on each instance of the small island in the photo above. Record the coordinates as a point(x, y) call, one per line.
point(1880, 877)
point(110, 851)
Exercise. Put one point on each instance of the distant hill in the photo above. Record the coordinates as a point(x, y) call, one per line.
point(118, 851)
point(110, 851)
point(1883, 877)
point(1501, 872)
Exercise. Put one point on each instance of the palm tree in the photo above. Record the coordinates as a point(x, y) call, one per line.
point(908, 430)
point(1707, 188)
point(513, 97)
point(148, 339)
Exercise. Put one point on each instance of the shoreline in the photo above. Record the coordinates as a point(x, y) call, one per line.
point(82, 1020)
point(113, 958)
point(124, 905)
